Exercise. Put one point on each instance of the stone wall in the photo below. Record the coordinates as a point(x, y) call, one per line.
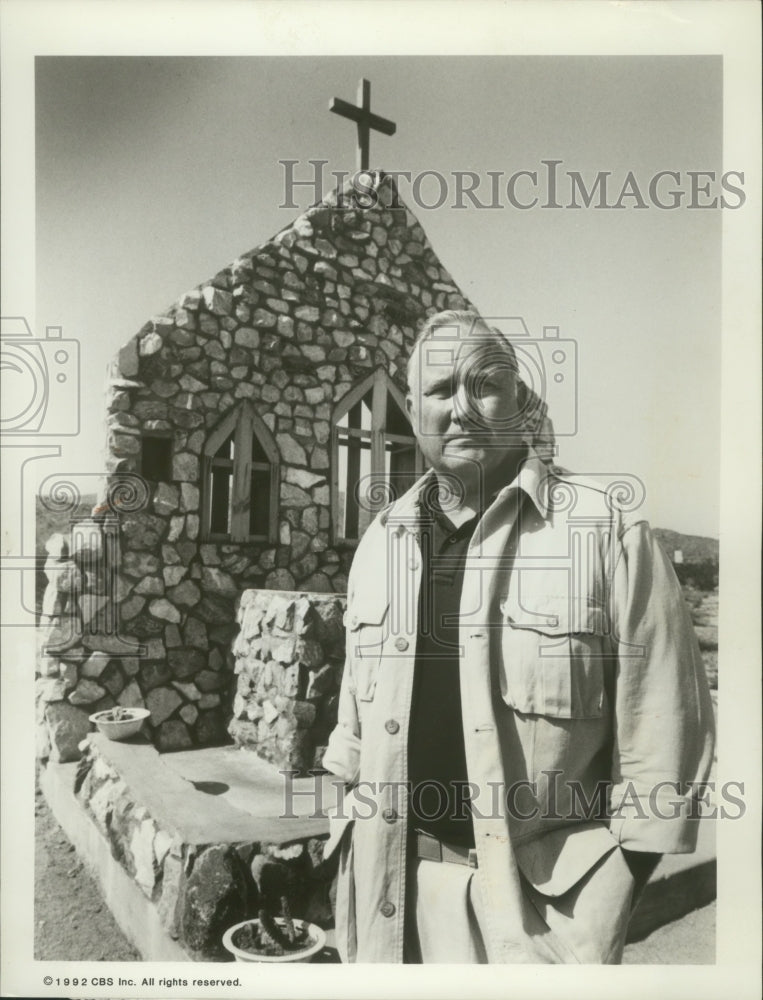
point(289, 659)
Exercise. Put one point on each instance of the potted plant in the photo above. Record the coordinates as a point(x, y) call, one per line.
point(120, 723)
point(273, 935)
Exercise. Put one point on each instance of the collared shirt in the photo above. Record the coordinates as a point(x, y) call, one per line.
point(581, 669)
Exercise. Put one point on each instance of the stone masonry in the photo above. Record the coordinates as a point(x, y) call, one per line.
point(288, 330)
point(289, 659)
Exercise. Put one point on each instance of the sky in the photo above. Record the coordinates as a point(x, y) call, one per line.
point(154, 173)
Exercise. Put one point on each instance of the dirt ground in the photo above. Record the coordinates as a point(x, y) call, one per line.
point(72, 922)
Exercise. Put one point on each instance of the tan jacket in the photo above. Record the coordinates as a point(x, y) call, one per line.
point(580, 666)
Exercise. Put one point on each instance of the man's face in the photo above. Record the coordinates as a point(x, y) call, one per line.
point(463, 403)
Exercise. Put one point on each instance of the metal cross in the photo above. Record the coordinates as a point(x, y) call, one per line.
point(364, 118)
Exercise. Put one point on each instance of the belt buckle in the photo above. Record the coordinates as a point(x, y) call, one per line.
point(428, 848)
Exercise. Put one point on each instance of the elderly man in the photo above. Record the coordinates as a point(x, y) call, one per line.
point(524, 720)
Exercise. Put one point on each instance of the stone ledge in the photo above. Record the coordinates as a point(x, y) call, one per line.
point(171, 840)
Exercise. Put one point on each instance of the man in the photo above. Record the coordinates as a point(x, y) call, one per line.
point(523, 709)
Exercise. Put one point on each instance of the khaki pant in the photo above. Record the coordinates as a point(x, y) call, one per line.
point(587, 924)
point(442, 922)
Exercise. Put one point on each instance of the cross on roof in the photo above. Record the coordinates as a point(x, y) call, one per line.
point(364, 118)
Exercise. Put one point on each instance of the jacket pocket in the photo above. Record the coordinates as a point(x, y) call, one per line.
point(556, 861)
point(553, 652)
point(366, 632)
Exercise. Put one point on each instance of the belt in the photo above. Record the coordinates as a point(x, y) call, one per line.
point(429, 848)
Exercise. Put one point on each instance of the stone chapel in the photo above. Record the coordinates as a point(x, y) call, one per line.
point(259, 411)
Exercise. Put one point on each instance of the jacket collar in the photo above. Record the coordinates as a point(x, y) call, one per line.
point(534, 478)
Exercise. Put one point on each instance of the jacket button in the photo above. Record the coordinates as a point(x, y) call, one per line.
point(387, 908)
point(401, 644)
point(392, 726)
point(389, 815)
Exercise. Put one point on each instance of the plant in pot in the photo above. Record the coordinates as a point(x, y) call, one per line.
point(274, 935)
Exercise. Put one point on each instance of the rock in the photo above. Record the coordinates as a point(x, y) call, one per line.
point(210, 555)
point(162, 702)
point(304, 479)
point(173, 575)
point(209, 680)
point(172, 636)
point(293, 496)
point(210, 727)
point(150, 344)
point(131, 607)
point(195, 633)
point(190, 691)
point(186, 594)
point(189, 714)
point(185, 662)
point(110, 643)
point(214, 896)
point(50, 689)
point(90, 606)
point(173, 735)
point(192, 525)
point(310, 314)
point(86, 692)
point(141, 846)
point(131, 697)
point(151, 586)
point(139, 564)
point(291, 452)
point(218, 582)
point(176, 528)
point(67, 727)
point(185, 466)
point(154, 674)
point(189, 497)
point(279, 579)
point(127, 359)
point(172, 873)
point(164, 610)
point(218, 302)
point(94, 666)
point(166, 499)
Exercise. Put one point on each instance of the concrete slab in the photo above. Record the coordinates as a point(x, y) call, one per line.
point(243, 802)
point(251, 785)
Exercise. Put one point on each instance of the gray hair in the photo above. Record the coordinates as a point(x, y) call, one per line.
point(465, 318)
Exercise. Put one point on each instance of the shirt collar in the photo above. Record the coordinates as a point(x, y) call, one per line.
point(534, 479)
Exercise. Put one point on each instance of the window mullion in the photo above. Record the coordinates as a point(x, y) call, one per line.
point(242, 478)
point(378, 417)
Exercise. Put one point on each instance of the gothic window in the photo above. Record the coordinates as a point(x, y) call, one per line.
point(241, 480)
point(374, 454)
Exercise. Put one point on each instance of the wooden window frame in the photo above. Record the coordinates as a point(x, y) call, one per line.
point(381, 384)
point(246, 425)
